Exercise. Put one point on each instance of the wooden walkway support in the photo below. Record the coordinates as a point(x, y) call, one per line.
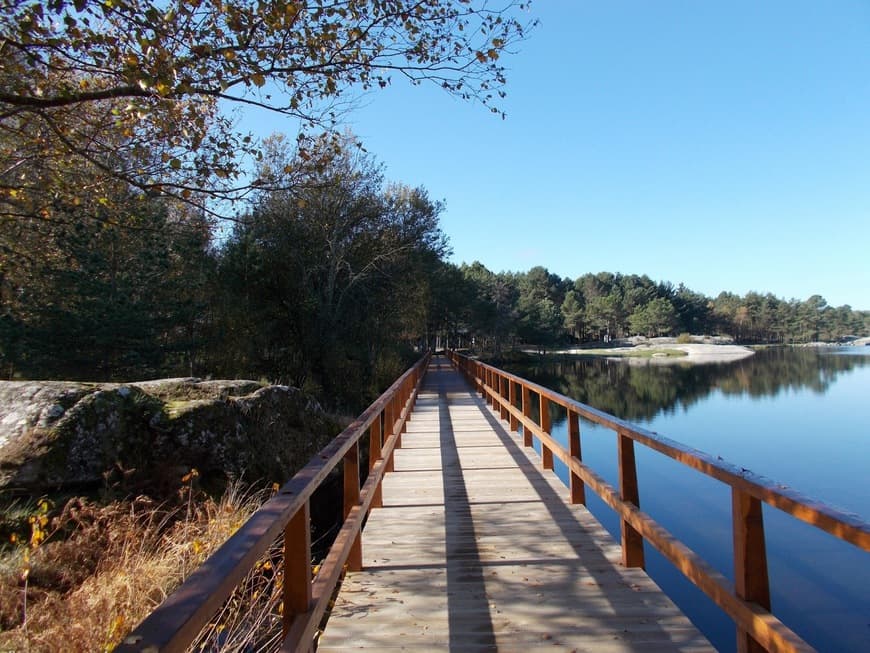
point(476, 548)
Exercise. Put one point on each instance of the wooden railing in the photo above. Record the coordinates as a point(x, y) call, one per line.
point(747, 600)
point(180, 618)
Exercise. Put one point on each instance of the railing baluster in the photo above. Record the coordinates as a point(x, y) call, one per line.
point(750, 560)
point(546, 427)
point(493, 384)
point(389, 422)
point(375, 442)
point(406, 396)
point(632, 541)
point(351, 499)
point(578, 489)
point(512, 398)
point(397, 415)
point(527, 413)
point(503, 394)
point(297, 566)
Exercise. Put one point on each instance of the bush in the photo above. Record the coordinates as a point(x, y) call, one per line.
point(684, 339)
point(102, 569)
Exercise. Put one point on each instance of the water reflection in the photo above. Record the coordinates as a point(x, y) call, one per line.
point(640, 392)
point(799, 416)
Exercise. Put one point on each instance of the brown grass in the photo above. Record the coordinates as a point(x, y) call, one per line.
point(102, 569)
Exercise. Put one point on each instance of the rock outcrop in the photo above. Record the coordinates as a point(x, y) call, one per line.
point(56, 434)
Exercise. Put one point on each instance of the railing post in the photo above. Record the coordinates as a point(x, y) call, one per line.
point(527, 413)
point(546, 452)
point(409, 403)
point(297, 566)
point(484, 375)
point(750, 560)
point(351, 499)
point(578, 489)
point(503, 395)
point(374, 456)
point(397, 415)
point(389, 422)
point(512, 398)
point(488, 384)
point(632, 541)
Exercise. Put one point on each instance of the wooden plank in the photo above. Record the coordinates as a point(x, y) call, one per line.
point(475, 548)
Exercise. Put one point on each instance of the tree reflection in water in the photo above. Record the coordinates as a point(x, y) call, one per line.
point(639, 392)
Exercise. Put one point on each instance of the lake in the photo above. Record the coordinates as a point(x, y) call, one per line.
point(800, 417)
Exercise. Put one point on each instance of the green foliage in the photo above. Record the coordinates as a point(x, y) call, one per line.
point(655, 318)
point(538, 309)
point(324, 282)
point(87, 299)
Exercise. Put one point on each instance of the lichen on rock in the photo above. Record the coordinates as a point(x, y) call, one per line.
point(56, 434)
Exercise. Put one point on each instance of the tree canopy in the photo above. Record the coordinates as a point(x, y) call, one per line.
point(135, 92)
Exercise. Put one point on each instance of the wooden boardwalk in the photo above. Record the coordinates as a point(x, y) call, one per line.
point(476, 549)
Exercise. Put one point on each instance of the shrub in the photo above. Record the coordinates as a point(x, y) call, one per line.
point(102, 569)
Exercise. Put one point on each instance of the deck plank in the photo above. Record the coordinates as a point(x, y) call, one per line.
point(476, 549)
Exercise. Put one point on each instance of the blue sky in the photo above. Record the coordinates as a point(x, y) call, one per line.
point(722, 145)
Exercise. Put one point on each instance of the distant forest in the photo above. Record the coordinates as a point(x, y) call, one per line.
point(330, 284)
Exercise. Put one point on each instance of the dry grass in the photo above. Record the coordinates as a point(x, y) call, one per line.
point(102, 569)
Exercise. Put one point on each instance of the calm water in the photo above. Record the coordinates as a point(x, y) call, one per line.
point(800, 417)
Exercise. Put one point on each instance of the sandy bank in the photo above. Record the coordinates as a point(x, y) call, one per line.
point(664, 353)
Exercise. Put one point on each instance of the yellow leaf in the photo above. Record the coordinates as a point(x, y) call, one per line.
point(258, 79)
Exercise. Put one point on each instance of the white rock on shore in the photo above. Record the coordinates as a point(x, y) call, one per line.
point(696, 352)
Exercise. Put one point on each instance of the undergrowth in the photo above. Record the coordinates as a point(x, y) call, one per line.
point(79, 576)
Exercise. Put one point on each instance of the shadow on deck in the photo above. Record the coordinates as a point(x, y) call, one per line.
point(476, 549)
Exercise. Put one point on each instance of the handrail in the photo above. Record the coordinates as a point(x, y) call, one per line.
point(179, 619)
point(747, 600)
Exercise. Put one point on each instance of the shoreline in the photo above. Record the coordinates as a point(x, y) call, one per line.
point(665, 353)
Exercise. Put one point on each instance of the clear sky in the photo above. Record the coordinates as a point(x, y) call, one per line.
point(724, 145)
